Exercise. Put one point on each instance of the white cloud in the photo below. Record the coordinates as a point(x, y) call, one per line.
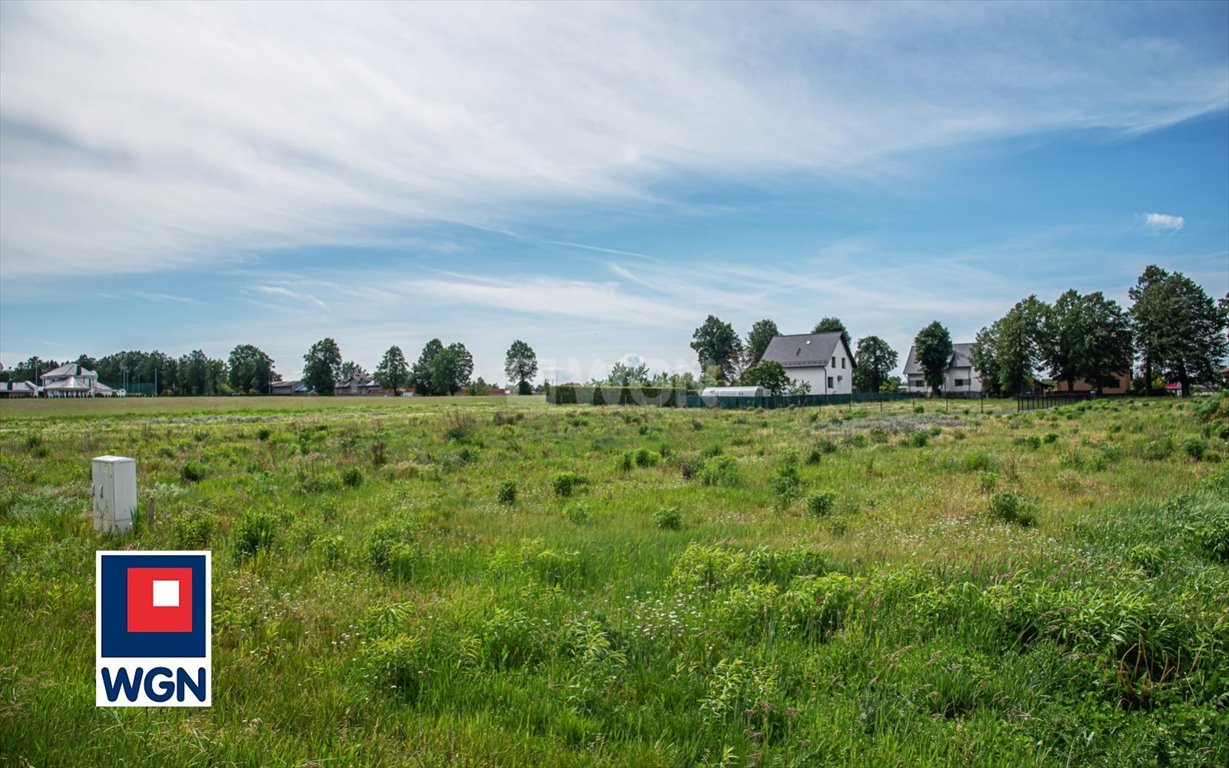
point(1164, 222)
point(149, 136)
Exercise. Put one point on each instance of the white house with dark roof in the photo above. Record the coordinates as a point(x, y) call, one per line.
point(822, 360)
point(961, 376)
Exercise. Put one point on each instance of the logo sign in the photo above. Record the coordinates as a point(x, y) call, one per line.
point(152, 632)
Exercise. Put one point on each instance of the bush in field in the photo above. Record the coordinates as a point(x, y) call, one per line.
point(1012, 508)
point(786, 482)
point(352, 477)
point(507, 493)
point(815, 607)
point(1195, 448)
point(1051, 437)
point(1157, 450)
point(550, 566)
point(192, 530)
point(577, 513)
point(192, 472)
point(690, 465)
point(510, 640)
point(397, 665)
point(821, 503)
point(712, 451)
point(919, 439)
point(565, 483)
point(256, 531)
point(987, 481)
point(668, 518)
point(263, 434)
point(721, 472)
point(393, 549)
point(979, 461)
point(646, 458)
point(379, 454)
point(625, 462)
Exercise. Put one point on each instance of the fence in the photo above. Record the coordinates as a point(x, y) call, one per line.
point(1038, 402)
point(800, 401)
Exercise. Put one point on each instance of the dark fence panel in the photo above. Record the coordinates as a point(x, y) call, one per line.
point(1050, 400)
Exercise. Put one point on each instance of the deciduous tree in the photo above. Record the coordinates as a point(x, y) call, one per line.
point(761, 335)
point(830, 325)
point(322, 366)
point(873, 362)
point(250, 370)
point(521, 365)
point(716, 344)
point(393, 372)
point(933, 346)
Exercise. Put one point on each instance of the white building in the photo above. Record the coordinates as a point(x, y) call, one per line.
point(961, 376)
point(72, 380)
point(822, 360)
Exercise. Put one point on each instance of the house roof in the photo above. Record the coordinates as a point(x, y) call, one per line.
point(18, 386)
point(68, 370)
point(71, 384)
point(804, 350)
point(960, 359)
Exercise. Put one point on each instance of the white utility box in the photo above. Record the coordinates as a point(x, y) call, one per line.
point(115, 493)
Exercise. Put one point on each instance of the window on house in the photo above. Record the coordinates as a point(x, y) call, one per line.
point(834, 361)
point(960, 382)
point(829, 382)
point(842, 362)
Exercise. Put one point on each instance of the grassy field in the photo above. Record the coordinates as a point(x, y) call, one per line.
point(498, 582)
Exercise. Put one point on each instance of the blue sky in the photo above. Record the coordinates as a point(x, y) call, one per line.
point(593, 179)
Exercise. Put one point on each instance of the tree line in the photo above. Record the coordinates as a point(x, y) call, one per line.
point(248, 370)
point(1173, 327)
point(1175, 330)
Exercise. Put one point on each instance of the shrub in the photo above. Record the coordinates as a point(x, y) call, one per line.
point(1147, 557)
point(1051, 437)
point(263, 434)
point(1195, 448)
point(987, 481)
point(576, 513)
point(817, 606)
point(821, 503)
point(192, 530)
point(397, 665)
point(690, 466)
point(646, 458)
point(507, 493)
point(625, 462)
point(785, 484)
point(1156, 450)
point(509, 640)
point(712, 451)
point(668, 518)
point(1012, 508)
point(919, 409)
point(721, 472)
point(393, 549)
point(979, 461)
point(352, 477)
point(256, 531)
point(919, 439)
point(461, 424)
point(192, 472)
point(565, 483)
point(379, 454)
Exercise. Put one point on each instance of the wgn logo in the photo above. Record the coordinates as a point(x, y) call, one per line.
point(153, 629)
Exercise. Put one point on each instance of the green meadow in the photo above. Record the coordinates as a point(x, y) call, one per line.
point(501, 582)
